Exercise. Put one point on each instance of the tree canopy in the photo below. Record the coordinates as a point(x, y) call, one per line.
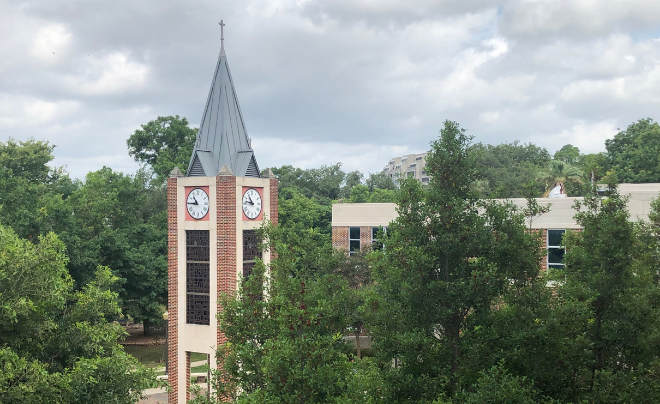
point(163, 144)
point(58, 344)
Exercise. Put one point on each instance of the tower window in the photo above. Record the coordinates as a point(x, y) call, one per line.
point(198, 280)
point(251, 251)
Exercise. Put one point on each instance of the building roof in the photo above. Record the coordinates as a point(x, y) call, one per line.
point(560, 216)
point(222, 137)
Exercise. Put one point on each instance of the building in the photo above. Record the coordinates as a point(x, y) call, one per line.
point(212, 213)
point(355, 225)
point(411, 166)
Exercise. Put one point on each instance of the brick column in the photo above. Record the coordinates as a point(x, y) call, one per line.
point(226, 248)
point(544, 246)
point(340, 237)
point(187, 377)
point(172, 289)
point(365, 239)
point(274, 200)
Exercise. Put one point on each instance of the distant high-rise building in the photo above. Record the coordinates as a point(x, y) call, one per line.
point(412, 166)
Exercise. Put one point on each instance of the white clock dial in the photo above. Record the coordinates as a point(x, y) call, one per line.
point(251, 203)
point(197, 203)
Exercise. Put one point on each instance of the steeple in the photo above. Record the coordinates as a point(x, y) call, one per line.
point(222, 138)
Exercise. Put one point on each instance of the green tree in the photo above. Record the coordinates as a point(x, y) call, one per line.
point(323, 184)
point(380, 181)
point(568, 154)
point(559, 173)
point(29, 188)
point(443, 267)
point(352, 179)
point(288, 347)
point(507, 168)
point(607, 276)
point(596, 166)
point(119, 221)
point(59, 345)
point(163, 144)
point(635, 152)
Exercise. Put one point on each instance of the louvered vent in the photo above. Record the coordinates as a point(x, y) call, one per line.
point(252, 169)
point(196, 170)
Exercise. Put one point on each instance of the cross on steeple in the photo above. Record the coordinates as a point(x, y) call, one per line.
point(222, 34)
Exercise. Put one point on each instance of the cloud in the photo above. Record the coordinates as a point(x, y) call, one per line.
point(52, 39)
point(20, 111)
point(108, 74)
point(357, 81)
point(357, 156)
point(578, 18)
point(588, 137)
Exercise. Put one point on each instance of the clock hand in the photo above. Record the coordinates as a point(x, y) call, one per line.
point(251, 203)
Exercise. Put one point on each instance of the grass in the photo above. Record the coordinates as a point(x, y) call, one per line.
point(151, 356)
point(200, 368)
point(196, 356)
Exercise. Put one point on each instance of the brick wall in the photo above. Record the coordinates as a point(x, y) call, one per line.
point(187, 377)
point(226, 232)
point(274, 200)
point(365, 239)
point(172, 288)
point(340, 237)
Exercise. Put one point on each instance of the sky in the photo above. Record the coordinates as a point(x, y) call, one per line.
point(320, 82)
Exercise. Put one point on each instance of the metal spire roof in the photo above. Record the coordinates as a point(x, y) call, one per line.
point(222, 137)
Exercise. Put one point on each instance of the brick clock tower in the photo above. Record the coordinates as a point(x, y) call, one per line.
point(213, 211)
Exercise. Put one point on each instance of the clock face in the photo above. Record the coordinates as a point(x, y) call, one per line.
point(197, 203)
point(251, 203)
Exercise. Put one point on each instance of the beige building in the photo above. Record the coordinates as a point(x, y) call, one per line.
point(411, 165)
point(354, 225)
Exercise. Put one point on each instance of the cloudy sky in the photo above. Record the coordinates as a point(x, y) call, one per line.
point(319, 82)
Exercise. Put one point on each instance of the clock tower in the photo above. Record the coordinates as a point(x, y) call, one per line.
point(213, 213)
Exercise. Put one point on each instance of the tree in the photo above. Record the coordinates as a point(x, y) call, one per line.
point(380, 181)
point(163, 144)
point(568, 154)
point(352, 179)
point(120, 221)
point(558, 173)
point(29, 188)
point(288, 347)
point(507, 168)
point(447, 259)
point(635, 152)
point(615, 287)
point(323, 184)
point(60, 345)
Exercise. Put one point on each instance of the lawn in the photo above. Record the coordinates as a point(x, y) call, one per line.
point(151, 356)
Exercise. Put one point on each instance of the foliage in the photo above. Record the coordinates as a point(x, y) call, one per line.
point(288, 347)
point(119, 221)
point(568, 154)
point(608, 282)
point(635, 153)
point(111, 219)
point(323, 184)
point(507, 168)
point(163, 144)
point(28, 186)
point(557, 173)
point(443, 265)
point(59, 345)
point(497, 386)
